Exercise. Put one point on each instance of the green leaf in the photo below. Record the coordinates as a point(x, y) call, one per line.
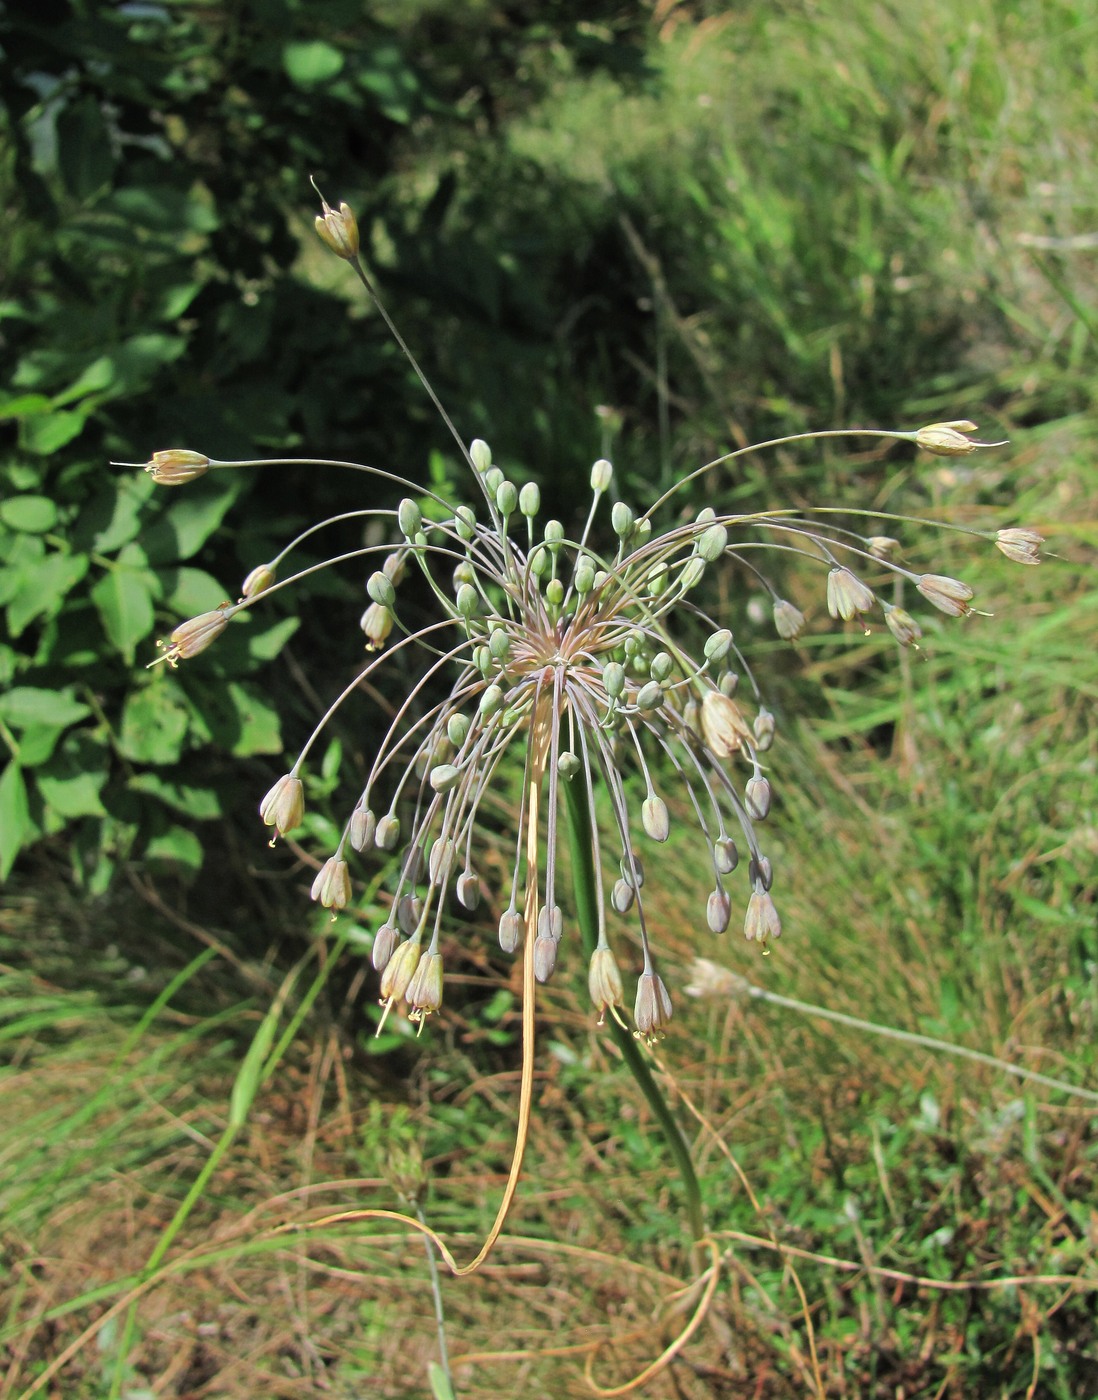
point(124, 600)
point(265, 645)
point(178, 847)
point(199, 803)
point(191, 521)
point(15, 821)
point(84, 154)
point(70, 792)
point(36, 743)
point(44, 589)
point(155, 720)
point(114, 517)
point(26, 706)
point(189, 592)
point(32, 515)
point(311, 62)
point(24, 405)
point(258, 728)
point(92, 379)
point(50, 431)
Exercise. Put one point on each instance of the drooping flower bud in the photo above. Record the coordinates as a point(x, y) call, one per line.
point(284, 806)
point(757, 797)
point(424, 992)
point(789, 621)
point(376, 622)
point(512, 926)
point(604, 981)
point(652, 1010)
point(718, 911)
point(724, 728)
point(399, 970)
point(949, 595)
point(761, 920)
point(654, 818)
point(847, 595)
point(902, 625)
point(332, 886)
point(385, 941)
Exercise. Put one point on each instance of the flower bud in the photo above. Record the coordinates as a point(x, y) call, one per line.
point(584, 577)
point(507, 498)
point(376, 622)
point(650, 696)
point(902, 625)
point(468, 890)
point(718, 646)
point(712, 543)
point(724, 728)
point(491, 701)
point(847, 595)
point(339, 230)
point(763, 729)
point(602, 473)
point(424, 992)
point(444, 776)
point(692, 572)
point(457, 727)
point(530, 499)
point(467, 601)
point(652, 1010)
point(493, 480)
point(512, 926)
point(725, 855)
point(1020, 545)
point(258, 581)
point(380, 588)
point(948, 440)
point(718, 911)
point(882, 546)
point(361, 827)
point(481, 454)
point(604, 981)
point(409, 911)
point(622, 896)
point(441, 860)
point(409, 518)
point(387, 833)
point(395, 567)
point(789, 621)
point(177, 466)
point(545, 957)
point(654, 818)
point(568, 765)
point(761, 920)
point(949, 595)
point(399, 970)
point(332, 886)
point(757, 797)
point(284, 806)
point(621, 519)
point(661, 666)
point(195, 635)
point(385, 941)
point(613, 679)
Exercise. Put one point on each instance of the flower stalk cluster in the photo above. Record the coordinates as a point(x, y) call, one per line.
point(585, 660)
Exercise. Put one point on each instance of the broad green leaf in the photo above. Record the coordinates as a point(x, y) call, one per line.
point(26, 706)
point(265, 645)
point(71, 793)
point(24, 405)
point(51, 431)
point(176, 846)
point(22, 554)
point(189, 592)
point(124, 600)
point(44, 589)
point(192, 519)
point(312, 62)
point(15, 823)
point(32, 515)
point(258, 728)
point(36, 743)
point(92, 379)
point(85, 155)
point(201, 804)
point(162, 208)
point(155, 720)
point(114, 517)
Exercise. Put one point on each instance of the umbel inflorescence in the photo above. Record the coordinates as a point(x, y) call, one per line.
point(580, 659)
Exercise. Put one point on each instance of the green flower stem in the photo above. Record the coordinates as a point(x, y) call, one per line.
point(583, 878)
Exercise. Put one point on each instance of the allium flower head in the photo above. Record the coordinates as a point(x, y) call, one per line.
point(571, 659)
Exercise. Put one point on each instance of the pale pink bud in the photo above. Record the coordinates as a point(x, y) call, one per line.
point(332, 886)
point(788, 620)
point(902, 626)
point(1020, 545)
point(339, 230)
point(284, 806)
point(949, 595)
point(424, 992)
point(949, 440)
point(604, 981)
point(177, 466)
point(761, 920)
point(195, 635)
point(724, 728)
point(847, 595)
point(652, 1010)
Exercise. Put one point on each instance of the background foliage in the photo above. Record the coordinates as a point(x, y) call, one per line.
point(647, 232)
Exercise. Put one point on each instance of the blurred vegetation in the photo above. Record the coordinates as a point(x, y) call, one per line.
point(646, 232)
